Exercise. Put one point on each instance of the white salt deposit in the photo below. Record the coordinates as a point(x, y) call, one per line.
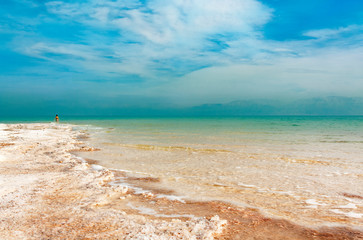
point(347, 214)
point(143, 210)
point(96, 167)
point(337, 211)
point(349, 205)
point(247, 185)
point(45, 192)
point(354, 215)
point(312, 202)
point(150, 211)
point(171, 197)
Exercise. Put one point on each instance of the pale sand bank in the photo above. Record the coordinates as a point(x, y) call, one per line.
point(48, 193)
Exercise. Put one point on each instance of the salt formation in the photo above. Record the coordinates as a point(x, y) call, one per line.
point(46, 192)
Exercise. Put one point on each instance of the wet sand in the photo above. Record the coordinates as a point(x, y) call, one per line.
point(49, 193)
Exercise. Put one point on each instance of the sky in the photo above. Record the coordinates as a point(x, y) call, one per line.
point(114, 54)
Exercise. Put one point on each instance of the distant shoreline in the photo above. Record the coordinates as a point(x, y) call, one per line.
point(79, 119)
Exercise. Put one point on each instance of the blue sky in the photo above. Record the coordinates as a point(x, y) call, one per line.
point(175, 53)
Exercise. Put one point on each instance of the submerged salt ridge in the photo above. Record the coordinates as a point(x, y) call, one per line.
point(306, 170)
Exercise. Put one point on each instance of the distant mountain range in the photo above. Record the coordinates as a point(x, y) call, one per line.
point(312, 106)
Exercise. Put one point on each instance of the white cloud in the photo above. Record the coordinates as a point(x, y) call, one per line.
point(332, 33)
point(101, 14)
point(202, 51)
point(173, 21)
point(78, 51)
point(64, 9)
point(81, 58)
point(328, 72)
point(172, 29)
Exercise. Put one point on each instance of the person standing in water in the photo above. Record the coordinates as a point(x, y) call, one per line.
point(56, 118)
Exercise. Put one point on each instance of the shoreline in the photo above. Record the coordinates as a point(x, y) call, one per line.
point(47, 192)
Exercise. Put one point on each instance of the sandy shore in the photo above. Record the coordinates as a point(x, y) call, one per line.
point(47, 192)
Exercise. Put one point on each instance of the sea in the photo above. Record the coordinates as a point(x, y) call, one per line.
point(306, 169)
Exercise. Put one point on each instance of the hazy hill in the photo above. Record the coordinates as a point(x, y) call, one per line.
point(313, 106)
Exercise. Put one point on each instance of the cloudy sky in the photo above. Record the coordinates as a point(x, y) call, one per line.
point(175, 53)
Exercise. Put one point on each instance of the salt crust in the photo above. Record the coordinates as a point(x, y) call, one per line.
point(47, 193)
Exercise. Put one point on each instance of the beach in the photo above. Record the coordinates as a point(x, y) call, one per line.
point(54, 185)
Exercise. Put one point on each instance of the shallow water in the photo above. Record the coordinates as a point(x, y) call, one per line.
point(305, 169)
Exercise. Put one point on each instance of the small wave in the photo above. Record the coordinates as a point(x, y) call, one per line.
point(304, 161)
point(168, 148)
point(340, 141)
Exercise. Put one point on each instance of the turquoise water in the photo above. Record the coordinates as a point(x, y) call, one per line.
point(254, 131)
point(233, 130)
point(305, 169)
point(259, 124)
point(299, 168)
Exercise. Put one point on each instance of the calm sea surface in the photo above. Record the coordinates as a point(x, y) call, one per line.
point(305, 169)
